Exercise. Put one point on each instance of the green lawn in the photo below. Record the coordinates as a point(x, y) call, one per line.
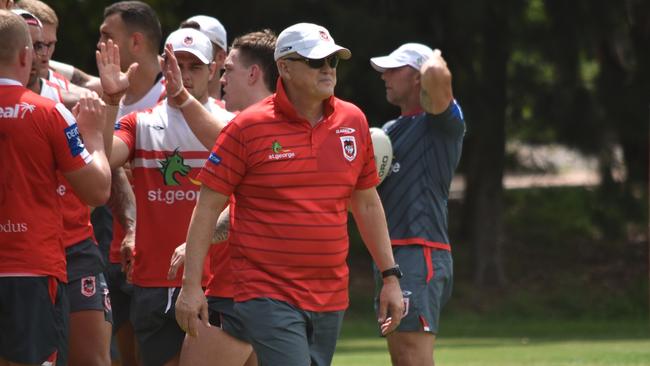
point(477, 342)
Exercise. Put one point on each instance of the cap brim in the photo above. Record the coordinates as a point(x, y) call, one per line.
point(196, 53)
point(385, 62)
point(324, 51)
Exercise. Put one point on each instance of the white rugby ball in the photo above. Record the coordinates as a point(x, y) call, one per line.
point(383, 151)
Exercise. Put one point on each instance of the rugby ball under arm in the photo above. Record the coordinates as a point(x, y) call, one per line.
point(383, 151)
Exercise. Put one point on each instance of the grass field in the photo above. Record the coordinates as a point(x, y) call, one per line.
point(475, 342)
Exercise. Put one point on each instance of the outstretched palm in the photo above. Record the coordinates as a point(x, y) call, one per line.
point(113, 80)
point(171, 71)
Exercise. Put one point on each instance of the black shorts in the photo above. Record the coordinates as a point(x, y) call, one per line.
point(154, 321)
point(33, 319)
point(121, 294)
point(222, 315)
point(87, 288)
point(90, 293)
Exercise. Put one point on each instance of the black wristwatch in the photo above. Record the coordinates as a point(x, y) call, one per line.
point(394, 271)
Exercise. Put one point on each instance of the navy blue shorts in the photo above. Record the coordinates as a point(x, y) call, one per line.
point(426, 286)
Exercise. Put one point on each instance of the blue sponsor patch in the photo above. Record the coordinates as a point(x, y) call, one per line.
point(75, 144)
point(214, 159)
point(117, 125)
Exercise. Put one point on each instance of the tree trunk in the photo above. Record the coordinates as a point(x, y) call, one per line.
point(485, 155)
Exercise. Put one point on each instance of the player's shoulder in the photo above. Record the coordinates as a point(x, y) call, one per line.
point(349, 108)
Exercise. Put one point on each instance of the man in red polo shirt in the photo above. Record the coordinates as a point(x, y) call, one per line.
point(294, 162)
point(39, 137)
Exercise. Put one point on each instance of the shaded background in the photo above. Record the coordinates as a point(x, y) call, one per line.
point(533, 72)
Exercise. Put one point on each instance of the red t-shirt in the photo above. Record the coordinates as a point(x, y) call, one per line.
point(292, 183)
point(37, 138)
point(165, 159)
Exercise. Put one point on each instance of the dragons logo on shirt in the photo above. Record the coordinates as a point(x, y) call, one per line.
point(172, 165)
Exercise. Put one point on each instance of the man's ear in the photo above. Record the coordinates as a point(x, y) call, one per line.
point(212, 66)
point(254, 74)
point(283, 69)
point(23, 57)
point(137, 41)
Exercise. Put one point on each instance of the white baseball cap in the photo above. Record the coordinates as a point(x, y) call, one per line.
point(212, 28)
point(192, 41)
point(308, 40)
point(29, 18)
point(411, 54)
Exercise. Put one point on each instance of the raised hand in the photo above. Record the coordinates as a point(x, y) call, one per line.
point(114, 81)
point(172, 73)
point(90, 113)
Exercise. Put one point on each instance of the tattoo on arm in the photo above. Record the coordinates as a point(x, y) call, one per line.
point(122, 200)
point(222, 229)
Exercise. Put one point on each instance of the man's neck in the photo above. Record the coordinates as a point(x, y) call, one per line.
point(257, 94)
point(411, 105)
point(309, 108)
point(36, 86)
point(143, 80)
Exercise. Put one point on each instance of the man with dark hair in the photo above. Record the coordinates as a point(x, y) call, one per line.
point(249, 68)
point(212, 27)
point(41, 138)
point(137, 17)
point(134, 27)
point(250, 71)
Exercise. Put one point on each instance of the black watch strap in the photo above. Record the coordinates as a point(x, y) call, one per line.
point(394, 271)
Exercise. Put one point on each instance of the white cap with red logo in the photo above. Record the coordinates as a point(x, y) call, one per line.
point(212, 28)
point(411, 54)
point(308, 40)
point(192, 41)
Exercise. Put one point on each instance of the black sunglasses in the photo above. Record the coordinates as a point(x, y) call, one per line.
point(332, 60)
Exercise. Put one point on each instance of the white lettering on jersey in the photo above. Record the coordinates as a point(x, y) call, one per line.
point(169, 197)
point(16, 110)
point(13, 227)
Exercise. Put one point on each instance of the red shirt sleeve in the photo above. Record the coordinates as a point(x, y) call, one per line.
point(125, 130)
point(226, 164)
point(368, 177)
point(69, 151)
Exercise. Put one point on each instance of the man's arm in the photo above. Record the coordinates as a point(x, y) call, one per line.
point(76, 76)
point(369, 216)
point(92, 182)
point(191, 304)
point(435, 84)
point(204, 125)
point(122, 204)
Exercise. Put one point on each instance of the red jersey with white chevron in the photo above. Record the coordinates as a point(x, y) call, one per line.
point(76, 215)
point(37, 137)
point(165, 160)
